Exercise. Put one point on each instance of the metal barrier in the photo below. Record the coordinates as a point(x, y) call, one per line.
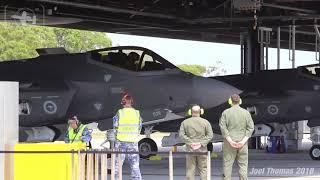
point(89, 164)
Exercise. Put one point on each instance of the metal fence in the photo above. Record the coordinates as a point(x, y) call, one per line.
point(91, 164)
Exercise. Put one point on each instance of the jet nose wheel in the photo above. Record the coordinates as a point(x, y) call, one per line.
point(315, 152)
point(146, 146)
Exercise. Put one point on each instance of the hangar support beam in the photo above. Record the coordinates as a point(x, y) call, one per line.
point(254, 50)
point(251, 53)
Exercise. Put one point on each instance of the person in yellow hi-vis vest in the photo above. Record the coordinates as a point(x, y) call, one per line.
point(127, 123)
point(236, 127)
point(77, 132)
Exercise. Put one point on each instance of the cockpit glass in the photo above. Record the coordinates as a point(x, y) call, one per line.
point(132, 59)
point(312, 70)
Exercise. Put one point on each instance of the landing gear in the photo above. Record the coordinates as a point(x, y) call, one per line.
point(315, 138)
point(315, 152)
point(146, 146)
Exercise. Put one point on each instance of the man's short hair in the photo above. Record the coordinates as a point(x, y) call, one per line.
point(235, 98)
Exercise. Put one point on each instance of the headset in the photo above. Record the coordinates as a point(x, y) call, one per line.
point(230, 101)
point(190, 110)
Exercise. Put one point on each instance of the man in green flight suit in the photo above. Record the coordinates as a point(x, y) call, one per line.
point(196, 133)
point(236, 127)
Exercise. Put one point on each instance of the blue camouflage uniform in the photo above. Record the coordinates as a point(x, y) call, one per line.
point(86, 136)
point(133, 159)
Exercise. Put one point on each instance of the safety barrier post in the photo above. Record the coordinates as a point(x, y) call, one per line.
point(79, 166)
point(88, 166)
point(83, 167)
point(104, 166)
point(72, 166)
point(119, 166)
point(208, 166)
point(112, 165)
point(170, 165)
point(96, 166)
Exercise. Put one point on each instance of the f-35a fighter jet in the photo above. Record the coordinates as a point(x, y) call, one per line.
point(275, 98)
point(57, 85)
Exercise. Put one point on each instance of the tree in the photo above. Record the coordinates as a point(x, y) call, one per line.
point(20, 41)
point(193, 68)
point(215, 70)
point(17, 41)
point(199, 70)
point(80, 41)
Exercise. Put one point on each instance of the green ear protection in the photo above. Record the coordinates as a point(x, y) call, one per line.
point(190, 111)
point(230, 101)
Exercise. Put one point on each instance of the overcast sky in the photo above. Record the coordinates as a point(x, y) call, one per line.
point(204, 53)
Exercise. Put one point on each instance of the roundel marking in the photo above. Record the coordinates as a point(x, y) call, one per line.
point(50, 107)
point(273, 109)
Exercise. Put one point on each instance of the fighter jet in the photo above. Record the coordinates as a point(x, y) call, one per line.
point(282, 96)
point(57, 85)
point(274, 97)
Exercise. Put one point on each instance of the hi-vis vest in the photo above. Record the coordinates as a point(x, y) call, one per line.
point(75, 137)
point(129, 125)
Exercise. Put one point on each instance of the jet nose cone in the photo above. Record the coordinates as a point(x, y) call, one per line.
point(211, 92)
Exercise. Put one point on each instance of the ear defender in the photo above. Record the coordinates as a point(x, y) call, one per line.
point(230, 101)
point(189, 113)
point(201, 111)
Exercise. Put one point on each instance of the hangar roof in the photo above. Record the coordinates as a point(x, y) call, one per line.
point(203, 20)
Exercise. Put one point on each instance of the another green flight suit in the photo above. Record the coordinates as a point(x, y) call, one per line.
point(237, 123)
point(196, 130)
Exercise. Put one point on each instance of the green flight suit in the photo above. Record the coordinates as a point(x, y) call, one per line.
point(196, 130)
point(237, 123)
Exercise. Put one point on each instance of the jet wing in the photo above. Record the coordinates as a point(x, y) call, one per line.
point(169, 116)
point(150, 117)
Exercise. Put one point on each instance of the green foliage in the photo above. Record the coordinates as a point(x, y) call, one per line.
point(17, 41)
point(80, 41)
point(20, 41)
point(193, 68)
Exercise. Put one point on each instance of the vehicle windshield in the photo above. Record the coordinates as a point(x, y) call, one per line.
point(132, 58)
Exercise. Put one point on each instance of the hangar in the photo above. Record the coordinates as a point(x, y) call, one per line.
point(254, 24)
